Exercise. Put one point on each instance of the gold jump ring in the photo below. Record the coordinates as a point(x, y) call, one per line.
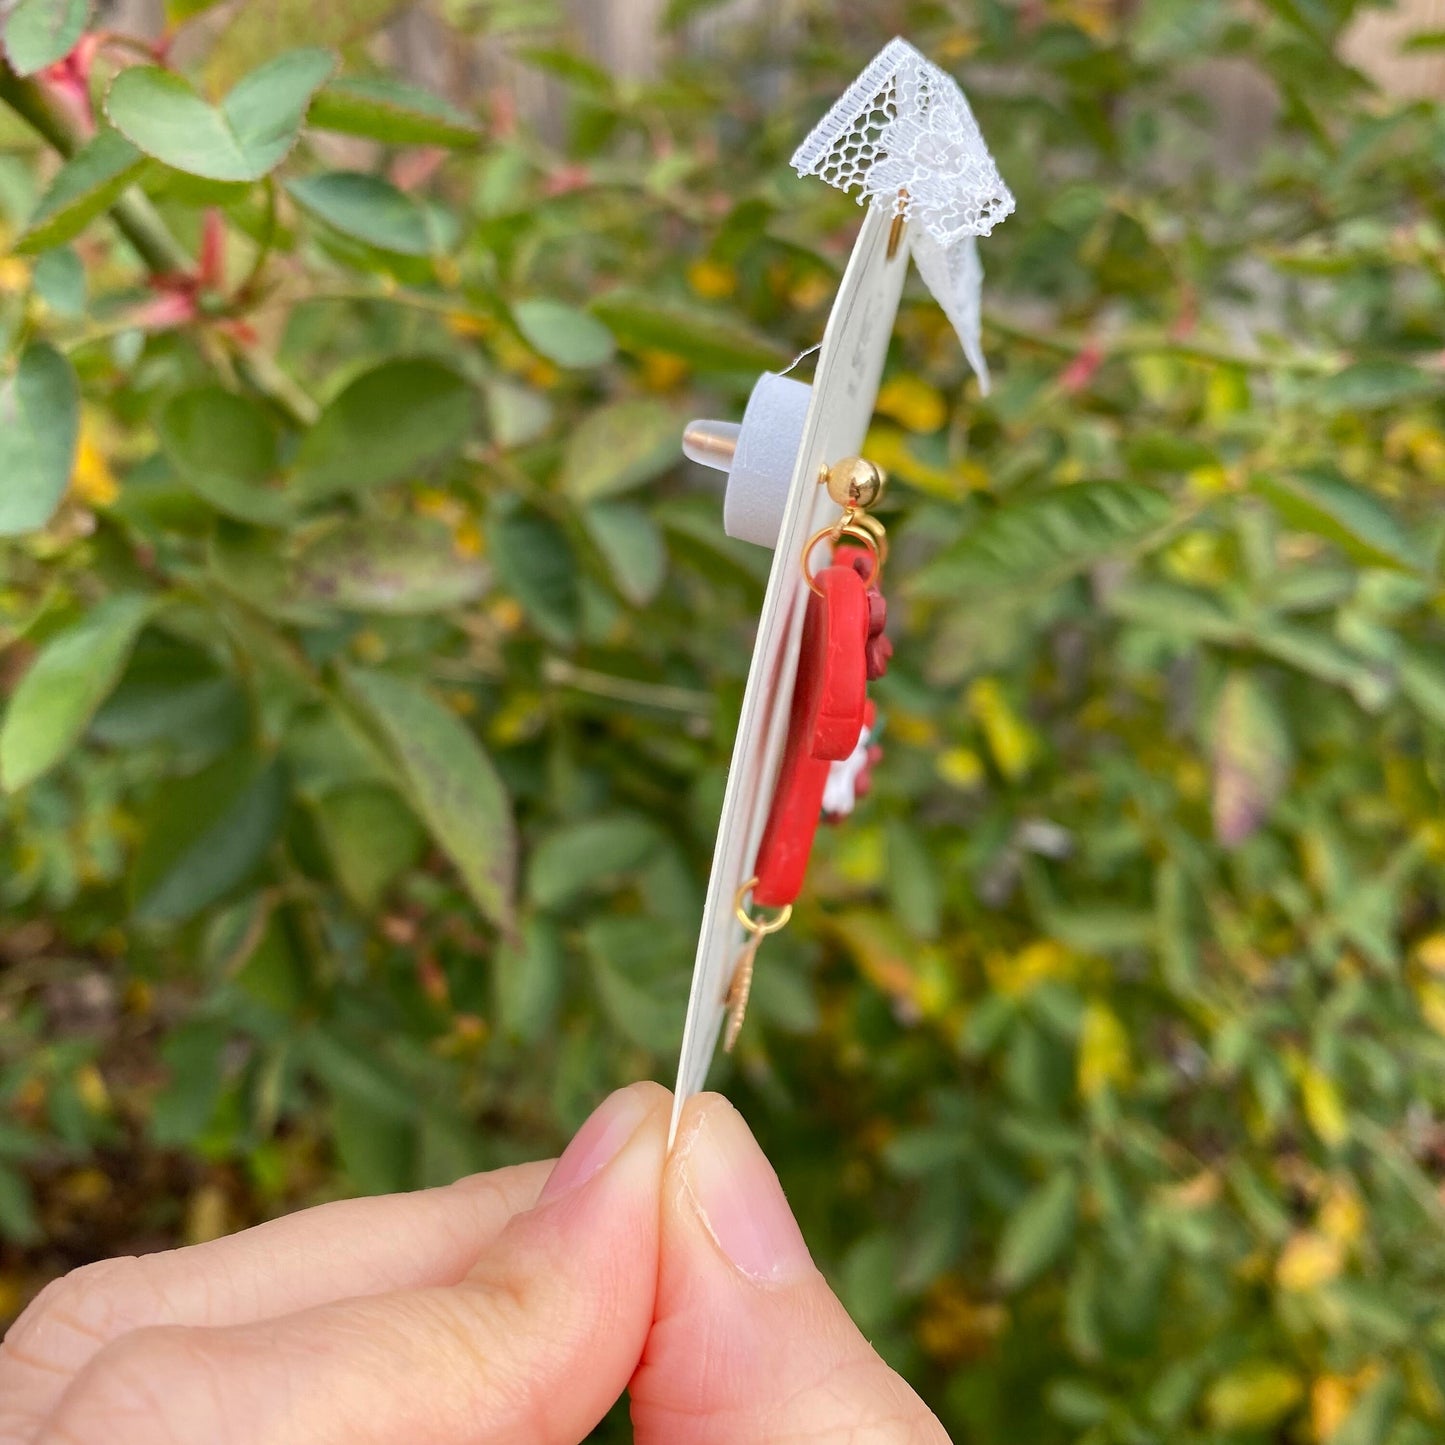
point(759, 928)
point(860, 530)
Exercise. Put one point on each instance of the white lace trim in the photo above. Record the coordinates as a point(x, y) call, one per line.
point(903, 135)
point(955, 276)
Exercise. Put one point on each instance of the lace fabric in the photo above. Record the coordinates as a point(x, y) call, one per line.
point(954, 274)
point(903, 136)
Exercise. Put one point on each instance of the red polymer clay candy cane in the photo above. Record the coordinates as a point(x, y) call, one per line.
point(843, 646)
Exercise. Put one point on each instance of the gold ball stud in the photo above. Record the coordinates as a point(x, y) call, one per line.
point(855, 482)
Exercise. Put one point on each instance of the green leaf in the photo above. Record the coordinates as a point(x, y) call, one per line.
point(390, 111)
point(568, 66)
point(1373, 1414)
point(562, 333)
point(1326, 504)
point(641, 977)
point(179, 11)
point(1183, 612)
point(368, 209)
point(59, 281)
point(1040, 541)
point(620, 446)
point(632, 545)
point(19, 1144)
point(90, 182)
point(711, 340)
point(1317, 654)
point(679, 12)
point(595, 853)
point(183, 1110)
point(528, 980)
point(1252, 753)
point(176, 694)
point(224, 446)
point(534, 562)
point(261, 29)
point(1368, 385)
point(205, 835)
point(1422, 680)
point(452, 784)
point(242, 139)
point(19, 1222)
point(516, 414)
point(377, 1151)
point(389, 424)
point(371, 838)
point(40, 32)
point(356, 1071)
point(407, 567)
point(39, 427)
point(1253, 1396)
point(73, 674)
point(1038, 1232)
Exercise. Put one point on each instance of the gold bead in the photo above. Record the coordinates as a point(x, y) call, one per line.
point(854, 482)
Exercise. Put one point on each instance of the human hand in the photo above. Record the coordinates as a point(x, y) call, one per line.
point(509, 1307)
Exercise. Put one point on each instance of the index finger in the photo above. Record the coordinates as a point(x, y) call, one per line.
point(530, 1348)
point(335, 1251)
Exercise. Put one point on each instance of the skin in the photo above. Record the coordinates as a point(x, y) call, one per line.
point(511, 1308)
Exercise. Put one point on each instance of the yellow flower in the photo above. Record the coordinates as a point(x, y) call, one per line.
point(812, 290)
point(1011, 740)
point(662, 371)
point(1307, 1261)
point(1253, 1396)
point(467, 323)
point(1323, 1106)
point(887, 445)
point(1430, 952)
point(1342, 1216)
point(912, 729)
point(520, 717)
point(468, 538)
point(712, 280)
point(1331, 1397)
point(507, 613)
point(960, 768)
point(1018, 974)
point(91, 1089)
point(1094, 17)
point(92, 479)
point(369, 646)
point(1103, 1051)
point(1208, 481)
point(913, 403)
point(14, 274)
point(954, 1327)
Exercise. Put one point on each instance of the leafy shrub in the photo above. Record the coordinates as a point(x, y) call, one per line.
point(371, 670)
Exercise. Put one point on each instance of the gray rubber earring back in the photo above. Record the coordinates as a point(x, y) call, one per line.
point(758, 456)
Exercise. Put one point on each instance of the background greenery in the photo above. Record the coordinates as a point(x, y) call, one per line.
point(371, 667)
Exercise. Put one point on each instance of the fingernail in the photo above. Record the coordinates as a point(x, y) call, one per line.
point(597, 1142)
point(740, 1200)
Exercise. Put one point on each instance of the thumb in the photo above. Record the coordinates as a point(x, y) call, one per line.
point(748, 1343)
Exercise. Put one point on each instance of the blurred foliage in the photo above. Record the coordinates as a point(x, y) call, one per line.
point(371, 667)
